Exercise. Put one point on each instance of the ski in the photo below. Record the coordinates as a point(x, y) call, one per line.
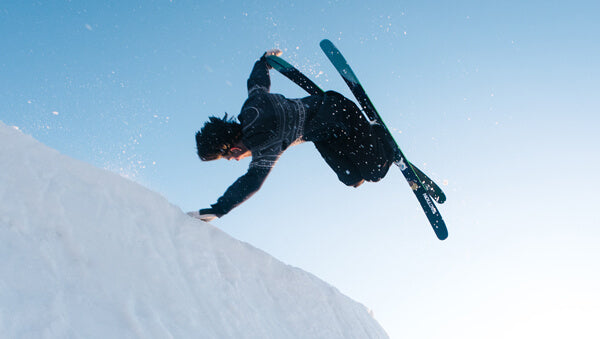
point(407, 169)
point(292, 73)
point(432, 188)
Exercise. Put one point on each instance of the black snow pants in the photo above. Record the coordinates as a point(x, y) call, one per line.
point(356, 150)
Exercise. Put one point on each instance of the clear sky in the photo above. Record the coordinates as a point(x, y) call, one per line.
point(496, 99)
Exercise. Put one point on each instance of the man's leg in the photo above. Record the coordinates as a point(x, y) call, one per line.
point(347, 172)
point(367, 146)
point(370, 159)
point(353, 148)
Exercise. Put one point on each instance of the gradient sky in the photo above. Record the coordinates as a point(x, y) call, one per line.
point(498, 100)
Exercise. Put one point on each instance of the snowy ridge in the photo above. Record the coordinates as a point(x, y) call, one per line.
point(88, 254)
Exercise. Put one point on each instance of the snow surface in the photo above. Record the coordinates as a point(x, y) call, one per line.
point(86, 253)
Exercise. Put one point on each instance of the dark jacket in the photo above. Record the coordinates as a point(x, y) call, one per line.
point(270, 124)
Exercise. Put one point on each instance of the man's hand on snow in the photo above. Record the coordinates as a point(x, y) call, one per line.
point(274, 51)
point(205, 214)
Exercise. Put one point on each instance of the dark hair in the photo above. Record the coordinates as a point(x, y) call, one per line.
point(217, 137)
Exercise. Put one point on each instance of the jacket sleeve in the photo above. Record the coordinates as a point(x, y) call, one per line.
point(243, 188)
point(259, 80)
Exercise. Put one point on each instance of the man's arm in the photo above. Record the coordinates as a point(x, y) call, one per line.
point(259, 77)
point(241, 190)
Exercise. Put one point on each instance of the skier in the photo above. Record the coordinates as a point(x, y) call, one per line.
point(355, 149)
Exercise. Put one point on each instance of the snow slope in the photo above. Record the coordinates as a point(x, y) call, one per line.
point(86, 253)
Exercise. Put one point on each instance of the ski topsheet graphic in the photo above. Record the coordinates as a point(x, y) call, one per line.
point(407, 169)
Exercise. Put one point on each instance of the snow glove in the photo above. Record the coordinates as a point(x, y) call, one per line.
point(205, 214)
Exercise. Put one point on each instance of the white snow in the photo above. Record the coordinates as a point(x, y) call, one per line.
point(86, 253)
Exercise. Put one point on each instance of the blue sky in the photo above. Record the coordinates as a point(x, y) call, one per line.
point(497, 99)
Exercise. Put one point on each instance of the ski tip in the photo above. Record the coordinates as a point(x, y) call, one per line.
point(440, 229)
point(440, 197)
point(441, 232)
point(325, 42)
